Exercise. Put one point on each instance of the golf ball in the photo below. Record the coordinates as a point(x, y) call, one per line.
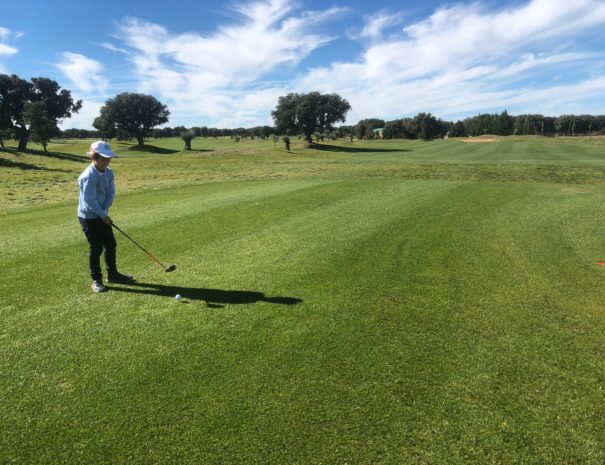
point(178, 297)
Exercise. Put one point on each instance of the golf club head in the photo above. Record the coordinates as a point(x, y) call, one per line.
point(170, 268)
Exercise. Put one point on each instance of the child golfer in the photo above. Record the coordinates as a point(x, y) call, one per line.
point(97, 191)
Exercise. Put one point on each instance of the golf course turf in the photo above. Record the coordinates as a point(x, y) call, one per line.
point(370, 302)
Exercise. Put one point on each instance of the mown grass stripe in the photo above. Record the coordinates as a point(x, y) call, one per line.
point(449, 311)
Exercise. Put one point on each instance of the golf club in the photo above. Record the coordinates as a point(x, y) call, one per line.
point(167, 269)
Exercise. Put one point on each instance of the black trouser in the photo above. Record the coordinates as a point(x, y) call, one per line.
point(100, 237)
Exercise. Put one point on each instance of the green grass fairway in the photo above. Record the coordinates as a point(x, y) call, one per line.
point(376, 302)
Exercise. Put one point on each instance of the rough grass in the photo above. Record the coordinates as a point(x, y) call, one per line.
point(36, 178)
point(375, 302)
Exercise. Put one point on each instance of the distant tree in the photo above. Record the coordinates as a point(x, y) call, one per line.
point(444, 127)
point(458, 130)
point(106, 127)
point(530, 125)
point(563, 125)
point(523, 125)
point(178, 130)
point(482, 124)
point(548, 126)
point(583, 124)
point(427, 126)
point(393, 129)
point(204, 131)
point(574, 125)
point(598, 125)
point(187, 137)
point(15, 93)
point(344, 131)
point(505, 124)
point(308, 113)
point(74, 133)
point(409, 129)
point(41, 127)
point(364, 129)
point(266, 131)
point(286, 114)
point(254, 132)
point(471, 124)
point(134, 114)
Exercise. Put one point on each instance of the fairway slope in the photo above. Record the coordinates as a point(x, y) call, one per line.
point(416, 304)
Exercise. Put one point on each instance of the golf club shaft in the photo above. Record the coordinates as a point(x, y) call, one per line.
point(140, 246)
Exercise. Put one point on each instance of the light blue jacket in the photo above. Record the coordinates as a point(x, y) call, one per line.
point(97, 191)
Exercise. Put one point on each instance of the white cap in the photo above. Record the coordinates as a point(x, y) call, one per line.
point(102, 148)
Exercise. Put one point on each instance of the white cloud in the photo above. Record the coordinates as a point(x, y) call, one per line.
point(251, 109)
point(464, 59)
point(84, 118)
point(211, 76)
point(113, 47)
point(7, 50)
point(5, 35)
point(85, 73)
point(379, 22)
point(235, 54)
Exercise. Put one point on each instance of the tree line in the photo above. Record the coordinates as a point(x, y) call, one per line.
point(504, 124)
point(32, 110)
point(422, 126)
point(261, 132)
point(426, 126)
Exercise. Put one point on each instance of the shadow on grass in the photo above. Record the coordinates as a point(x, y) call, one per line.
point(214, 298)
point(59, 155)
point(27, 166)
point(152, 149)
point(162, 151)
point(349, 149)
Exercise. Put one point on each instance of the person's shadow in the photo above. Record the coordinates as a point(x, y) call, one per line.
point(214, 298)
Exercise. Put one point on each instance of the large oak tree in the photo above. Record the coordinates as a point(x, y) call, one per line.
point(307, 113)
point(41, 127)
point(133, 114)
point(16, 95)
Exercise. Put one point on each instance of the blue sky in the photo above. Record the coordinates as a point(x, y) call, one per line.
point(224, 64)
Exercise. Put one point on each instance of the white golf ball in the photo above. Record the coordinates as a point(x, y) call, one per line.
point(178, 297)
